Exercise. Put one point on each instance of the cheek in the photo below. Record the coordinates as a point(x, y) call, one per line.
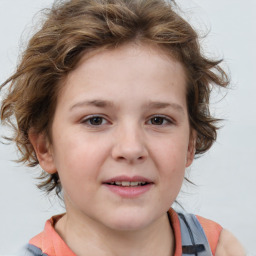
point(74, 148)
point(171, 152)
point(170, 157)
point(78, 158)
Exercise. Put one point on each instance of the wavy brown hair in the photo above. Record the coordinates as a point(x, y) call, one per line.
point(71, 29)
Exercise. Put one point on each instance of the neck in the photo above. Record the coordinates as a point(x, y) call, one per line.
point(86, 235)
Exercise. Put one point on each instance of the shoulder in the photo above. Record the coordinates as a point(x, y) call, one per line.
point(228, 245)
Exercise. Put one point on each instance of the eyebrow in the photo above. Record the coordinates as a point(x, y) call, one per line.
point(109, 104)
point(160, 105)
point(96, 103)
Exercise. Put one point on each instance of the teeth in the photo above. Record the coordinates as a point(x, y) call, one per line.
point(128, 183)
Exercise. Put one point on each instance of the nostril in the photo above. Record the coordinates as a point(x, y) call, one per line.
point(121, 158)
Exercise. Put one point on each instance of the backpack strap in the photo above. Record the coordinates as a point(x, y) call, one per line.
point(212, 231)
point(194, 240)
point(31, 250)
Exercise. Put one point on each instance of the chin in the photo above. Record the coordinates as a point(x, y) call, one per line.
point(130, 222)
point(128, 226)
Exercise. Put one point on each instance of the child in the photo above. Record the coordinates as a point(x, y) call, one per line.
point(111, 98)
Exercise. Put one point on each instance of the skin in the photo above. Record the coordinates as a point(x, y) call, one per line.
point(137, 94)
point(228, 245)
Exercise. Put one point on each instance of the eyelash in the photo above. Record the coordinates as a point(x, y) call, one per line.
point(165, 120)
point(90, 118)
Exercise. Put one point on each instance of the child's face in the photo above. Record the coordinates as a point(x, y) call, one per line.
point(122, 116)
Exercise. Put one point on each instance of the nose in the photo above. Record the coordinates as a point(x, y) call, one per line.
point(130, 145)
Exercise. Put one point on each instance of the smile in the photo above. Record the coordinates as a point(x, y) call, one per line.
point(128, 183)
point(129, 187)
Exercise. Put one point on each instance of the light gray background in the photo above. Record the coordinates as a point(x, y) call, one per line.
point(226, 176)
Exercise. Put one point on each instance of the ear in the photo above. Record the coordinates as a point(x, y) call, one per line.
point(191, 148)
point(43, 151)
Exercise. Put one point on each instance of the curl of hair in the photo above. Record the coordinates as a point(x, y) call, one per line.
point(74, 27)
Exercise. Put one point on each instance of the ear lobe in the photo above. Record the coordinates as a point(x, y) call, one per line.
point(43, 151)
point(191, 149)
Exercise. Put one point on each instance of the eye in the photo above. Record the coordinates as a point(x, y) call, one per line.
point(160, 120)
point(94, 120)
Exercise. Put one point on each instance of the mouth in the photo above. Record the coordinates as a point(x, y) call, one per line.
point(129, 187)
point(128, 183)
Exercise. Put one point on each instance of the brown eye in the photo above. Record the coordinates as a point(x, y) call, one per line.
point(97, 120)
point(157, 120)
point(94, 121)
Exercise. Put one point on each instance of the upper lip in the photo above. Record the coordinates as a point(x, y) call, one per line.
point(127, 178)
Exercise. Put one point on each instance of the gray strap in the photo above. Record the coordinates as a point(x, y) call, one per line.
point(194, 241)
point(31, 250)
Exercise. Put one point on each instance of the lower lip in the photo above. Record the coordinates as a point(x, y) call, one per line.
point(129, 192)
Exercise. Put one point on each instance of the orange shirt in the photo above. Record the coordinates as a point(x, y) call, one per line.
point(52, 244)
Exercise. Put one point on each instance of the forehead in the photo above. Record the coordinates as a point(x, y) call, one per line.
point(130, 51)
point(130, 68)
